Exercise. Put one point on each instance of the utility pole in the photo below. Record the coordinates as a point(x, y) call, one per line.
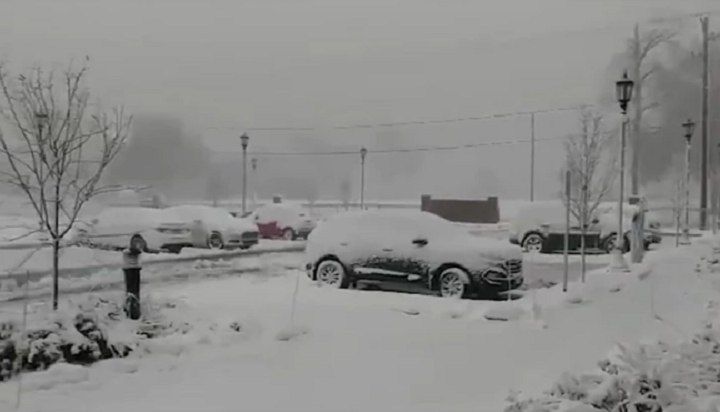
point(705, 22)
point(532, 157)
point(637, 115)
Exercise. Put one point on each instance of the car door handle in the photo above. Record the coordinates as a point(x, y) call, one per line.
point(343, 244)
point(387, 250)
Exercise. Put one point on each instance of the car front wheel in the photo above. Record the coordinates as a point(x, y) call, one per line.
point(452, 283)
point(332, 273)
point(533, 242)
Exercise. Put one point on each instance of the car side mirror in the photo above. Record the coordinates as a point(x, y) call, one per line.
point(595, 221)
point(420, 242)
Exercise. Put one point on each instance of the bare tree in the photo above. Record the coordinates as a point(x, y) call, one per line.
point(677, 181)
point(591, 179)
point(640, 47)
point(55, 150)
point(217, 185)
point(345, 192)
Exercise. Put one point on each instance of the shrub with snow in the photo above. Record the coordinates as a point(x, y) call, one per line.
point(80, 333)
point(649, 378)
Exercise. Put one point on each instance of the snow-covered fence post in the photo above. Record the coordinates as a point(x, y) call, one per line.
point(131, 272)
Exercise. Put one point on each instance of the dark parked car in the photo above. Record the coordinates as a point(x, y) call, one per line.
point(411, 249)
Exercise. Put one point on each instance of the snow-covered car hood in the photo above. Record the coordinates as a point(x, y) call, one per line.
point(490, 249)
point(242, 225)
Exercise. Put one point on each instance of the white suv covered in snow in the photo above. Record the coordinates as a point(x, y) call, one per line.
point(410, 248)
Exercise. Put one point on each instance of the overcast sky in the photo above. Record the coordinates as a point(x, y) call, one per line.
point(237, 64)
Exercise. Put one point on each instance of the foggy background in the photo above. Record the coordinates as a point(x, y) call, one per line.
point(197, 74)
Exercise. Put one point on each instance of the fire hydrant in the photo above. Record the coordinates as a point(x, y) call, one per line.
point(131, 271)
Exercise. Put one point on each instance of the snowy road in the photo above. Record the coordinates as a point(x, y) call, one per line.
point(362, 351)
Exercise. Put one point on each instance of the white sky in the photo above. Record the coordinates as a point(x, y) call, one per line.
point(284, 63)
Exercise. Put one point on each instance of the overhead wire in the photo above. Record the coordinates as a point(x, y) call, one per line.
point(399, 150)
point(407, 123)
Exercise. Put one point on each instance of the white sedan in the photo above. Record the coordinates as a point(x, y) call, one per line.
point(411, 249)
point(215, 228)
point(143, 228)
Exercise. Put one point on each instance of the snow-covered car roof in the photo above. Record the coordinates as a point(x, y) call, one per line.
point(144, 215)
point(212, 215)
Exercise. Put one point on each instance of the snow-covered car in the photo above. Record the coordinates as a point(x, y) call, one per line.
point(412, 249)
point(540, 227)
point(652, 220)
point(144, 228)
point(216, 228)
point(279, 220)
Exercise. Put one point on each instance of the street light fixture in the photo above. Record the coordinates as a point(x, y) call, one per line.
point(624, 92)
point(689, 127)
point(244, 140)
point(363, 153)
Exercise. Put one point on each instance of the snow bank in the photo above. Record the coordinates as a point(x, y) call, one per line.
point(672, 375)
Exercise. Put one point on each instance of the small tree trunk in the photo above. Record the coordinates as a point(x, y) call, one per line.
point(56, 247)
point(56, 272)
point(582, 253)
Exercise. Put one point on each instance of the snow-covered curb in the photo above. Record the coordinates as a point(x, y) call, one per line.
point(196, 269)
point(153, 260)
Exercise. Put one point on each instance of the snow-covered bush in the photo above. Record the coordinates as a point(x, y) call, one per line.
point(80, 333)
point(649, 378)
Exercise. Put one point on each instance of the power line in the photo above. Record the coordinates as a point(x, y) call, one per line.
point(402, 150)
point(407, 123)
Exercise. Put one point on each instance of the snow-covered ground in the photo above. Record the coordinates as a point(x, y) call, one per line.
point(348, 350)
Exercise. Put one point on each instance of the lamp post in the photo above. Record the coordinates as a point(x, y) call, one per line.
point(689, 127)
point(244, 140)
point(363, 153)
point(623, 90)
point(254, 164)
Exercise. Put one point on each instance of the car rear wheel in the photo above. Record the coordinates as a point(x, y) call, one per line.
point(452, 284)
point(332, 273)
point(215, 241)
point(138, 243)
point(533, 242)
point(289, 234)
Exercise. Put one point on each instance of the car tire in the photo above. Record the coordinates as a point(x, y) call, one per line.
point(452, 284)
point(609, 244)
point(332, 273)
point(137, 242)
point(533, 242)
point(215, 241)
point(289, 234)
